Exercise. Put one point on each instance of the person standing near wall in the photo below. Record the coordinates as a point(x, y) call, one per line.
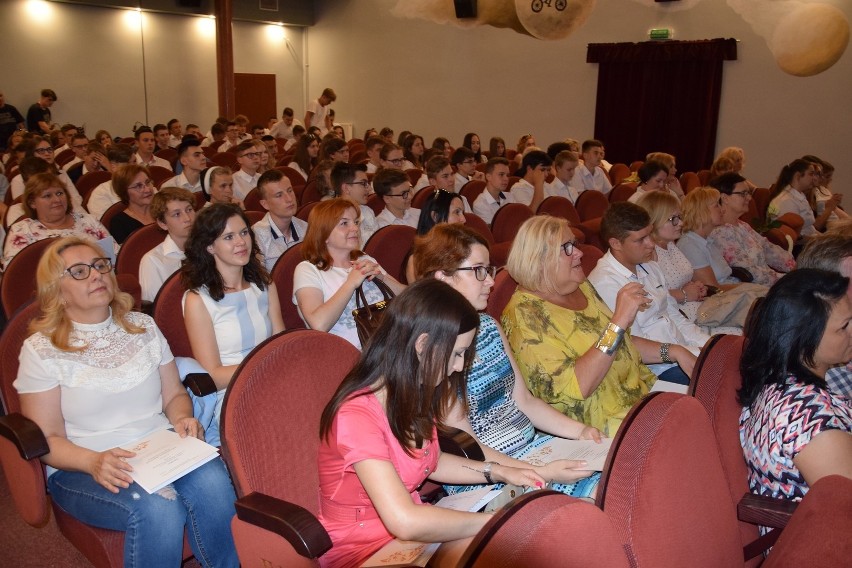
point(38, 115)
point(318, 110)
point(10, 121)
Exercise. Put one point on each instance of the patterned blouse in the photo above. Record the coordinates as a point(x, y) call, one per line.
point(27, 231)
point(778, 425)
point(547, 339)
point(742, 246)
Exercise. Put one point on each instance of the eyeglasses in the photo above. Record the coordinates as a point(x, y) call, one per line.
point(747, 192)
point(43, 150)
point(405, 194)
point(675, 220)
point(397, 161)
point(251, 155)
point(568, 247)
point(469, 161)
point(79, 146)
point(481, 272)
point(141, 185)
point(363, 183)
point(81, 270)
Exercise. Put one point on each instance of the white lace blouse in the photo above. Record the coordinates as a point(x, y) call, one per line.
point(110, 393)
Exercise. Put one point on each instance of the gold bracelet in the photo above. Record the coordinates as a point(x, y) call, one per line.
point(610, 339)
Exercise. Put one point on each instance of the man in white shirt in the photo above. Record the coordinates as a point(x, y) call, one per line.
point(245, 179)
point(103, 196)
point(439, 173)
point(627, 227)
point(564, 166)
point(395, 189)
point(175, 132)
point(232, 137)
point(66, 134)
point(94, 160)
point(279, 229)
point(374, 146)
point(192, 158)
point(284, 127)
point(194, 130)
point(317, 113)
point(590, 175)
point(495, 195)
point(529, 190)
point(350, 181)
point(174, 211)
point(146, 144)
point(161, 135)
point(465, 162)
point(77, 143)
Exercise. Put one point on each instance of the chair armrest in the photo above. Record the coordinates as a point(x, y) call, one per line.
point(295, 524)
point(25, 434)
point(147, 307)
point(459, 443)
point(201, 384)
point(741, 274)
point(765, 511)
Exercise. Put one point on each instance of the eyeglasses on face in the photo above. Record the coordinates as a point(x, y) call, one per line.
point(81, 270)
point(43, 150)
point(744, 193)
point(405, 194)
point(397, 161)
point(363, 183)
point(251, 155)
point(568, 247)
point(481, 272)
point(141, 185)
point(675, 220)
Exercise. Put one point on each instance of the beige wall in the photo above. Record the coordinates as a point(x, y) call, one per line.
point(443, 80)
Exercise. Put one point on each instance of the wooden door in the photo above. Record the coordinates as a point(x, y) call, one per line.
point(255, 96)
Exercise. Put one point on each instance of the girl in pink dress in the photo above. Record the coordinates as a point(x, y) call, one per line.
point(379, 441)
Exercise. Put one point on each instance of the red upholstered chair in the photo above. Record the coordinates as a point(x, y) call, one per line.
point(305, 210)
point(591, 204)
point(512, 181)
point(591, 256)
point(310, 193)
point(471, 190)
point(358, 156)
point(168, 315)
point(225, 159)
point(617, 173)
point(252, 201)
point(476, 223)
point(689, 181)
point(282, 276)
point(760, 198)
point(270, 424)
point(354, 142)
point(793, 221)
point(535, 530)
point(19, 280)
point(390, 246)
point(703, 176)
point(64, 157)
point(559, 207)
point(168, 154)
point(294, 176)
point(752, 215)
point(716, 380)
point(159, 174)
point(664, 489)
point(508, 220)
point(376, 203)
point(254, 216)
point(419, 198)
point(136, 246)
point(501, 293)
point(623, 191)
point(414, 175)
point(21, 445)
point(783, 236)
point(113, 210)
point(90, 181)
point(635, 165)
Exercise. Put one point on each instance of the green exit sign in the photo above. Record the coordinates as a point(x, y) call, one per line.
point(660, 33)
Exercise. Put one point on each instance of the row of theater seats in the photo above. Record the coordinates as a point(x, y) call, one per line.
point(672, 491)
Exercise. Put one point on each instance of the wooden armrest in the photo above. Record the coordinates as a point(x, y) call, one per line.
point(201, 384)
point(459, 443)
point(297, 525)
point(25, 434)
point(765, 511)
point(741, 274)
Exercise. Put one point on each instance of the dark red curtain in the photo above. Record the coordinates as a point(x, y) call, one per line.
point(660, 97)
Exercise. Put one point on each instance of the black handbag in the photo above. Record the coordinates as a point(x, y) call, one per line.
point(369, 316)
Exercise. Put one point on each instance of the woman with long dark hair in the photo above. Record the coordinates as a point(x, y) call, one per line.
point(791, 194)
point(305, 156)
point(474, 144)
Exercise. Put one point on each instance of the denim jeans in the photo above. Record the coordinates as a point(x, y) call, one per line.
point(201, 501)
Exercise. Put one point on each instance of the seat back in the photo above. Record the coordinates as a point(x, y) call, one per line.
point(703, 176)
point(501, 293)
point(419, 198)
point(310, 193)
point(689, 181)
point(271, 414)
point(559, 206)
point(636, 164)
point(136, 246)
point(390, 247)
point(414, 175)
point(168, 154)
point(623, 191)
point(113, 210)
point(305, 210)
point(168, 315)
point(282, 276)
point(664, 489)
point(295, 177)
point(64, 157)
point(471, 190)
point(476, 223)
point(376, 203)
point(507, 220)
point(617, 173)
point(761, 201)
point(252, 201)
point(226, 159)
point(591, 256)
point(90, 181)
point(531, 531)
point(591, 204)
point(159, 174)
point(19, 280)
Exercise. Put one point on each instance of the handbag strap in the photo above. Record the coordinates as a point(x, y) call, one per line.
point(361, 299)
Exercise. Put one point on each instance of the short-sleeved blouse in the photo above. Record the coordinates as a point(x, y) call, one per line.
point(111, 392)
point(740, 245)
point(547, 339)
point(27, 231)
point(781, 421)
point(699, 253)
point(360, 431)
point(307, 275)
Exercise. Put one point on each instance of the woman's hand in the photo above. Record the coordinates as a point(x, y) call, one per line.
point(564, 471)
point(590, 433)
point(517, 476)
point(694, 291)
point(110, 470)
point(188, 426)
point(630, 300)
point(364, 269)
point(683, 357)
point(834, 202)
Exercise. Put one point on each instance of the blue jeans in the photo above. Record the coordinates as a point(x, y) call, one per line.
point(675, 375)
point(202, 502)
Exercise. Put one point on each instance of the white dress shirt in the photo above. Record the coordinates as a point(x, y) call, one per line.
point(181, 181)
point(411, 217)
point(274, 241)
point(243, 183)
point(486, 206)
point(157, 265)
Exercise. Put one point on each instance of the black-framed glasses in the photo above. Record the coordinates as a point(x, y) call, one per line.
point(397, 161)
point(568, 247)
point(251, 155)
point(405, 194)
point(43, 151)
point(363, 183)
point(675, 220)
point(747, 192)
point(81, 270)
point(481, 272)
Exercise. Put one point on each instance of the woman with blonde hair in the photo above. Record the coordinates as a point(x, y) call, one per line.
point(95, 376)
point(702, 212)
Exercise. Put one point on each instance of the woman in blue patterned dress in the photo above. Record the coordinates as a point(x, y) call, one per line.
point(793, 428)
point(502, 414)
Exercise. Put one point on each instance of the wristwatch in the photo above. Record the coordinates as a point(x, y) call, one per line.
point(664, 353)
point(486, 472)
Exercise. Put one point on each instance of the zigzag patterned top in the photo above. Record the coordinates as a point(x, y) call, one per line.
point(780, 423)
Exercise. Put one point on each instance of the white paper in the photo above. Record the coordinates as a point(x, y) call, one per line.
point(666, 386)
point(562, 449)
point(470, 501)
point(163, 456)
